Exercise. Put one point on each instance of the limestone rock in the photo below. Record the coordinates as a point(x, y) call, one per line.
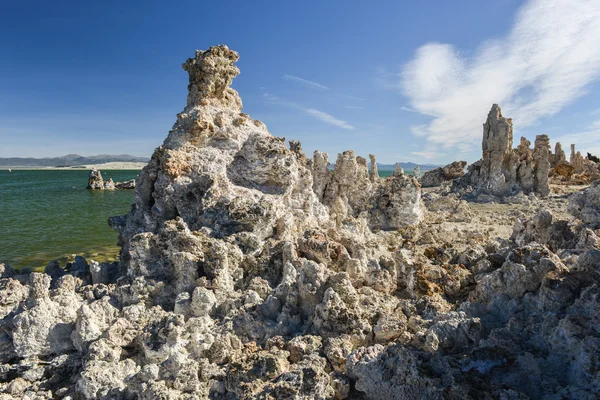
point(373, 174)
point(578, 170)
point(585, 205)
point(541, 166)
point(497, 150)
point(542, 230)
point(92, 320)
point(417, 172)
point(397, 203)
point(392, 203)
point(45, 328)
point(95, 181)
point(564, 170)
point(504, 171)
point(109, 184)
point(559, 156)
point(103, 379)
point(398, 373)
point(130, 184)
point(440, 175)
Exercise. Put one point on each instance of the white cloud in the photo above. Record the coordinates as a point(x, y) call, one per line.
point(428, 155)
point(328, 118)
point(304, 82)
point(408, 109)
point(547, 60)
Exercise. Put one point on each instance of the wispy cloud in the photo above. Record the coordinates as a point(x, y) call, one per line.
point(547, 60)
point(586, 141)
point(354, 107)
point(313, 112)
point(269, 97)
point(408, 109)
point(305, 82)
point(355, 98)
point(328, 118)
point(428, 155)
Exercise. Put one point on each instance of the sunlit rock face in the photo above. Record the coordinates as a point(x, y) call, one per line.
point(504, 171)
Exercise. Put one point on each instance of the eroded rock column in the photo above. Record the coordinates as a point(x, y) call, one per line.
point(541, 155)
point(497, 148)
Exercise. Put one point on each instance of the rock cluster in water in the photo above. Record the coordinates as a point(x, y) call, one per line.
point(95, 182)
point(248, 270)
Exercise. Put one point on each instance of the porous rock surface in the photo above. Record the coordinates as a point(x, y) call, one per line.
point(249, 271)
point(504, 171)
point(578, 170)
point(96, 182)
point(417, 172)
point(437, 176)
point(585, 205)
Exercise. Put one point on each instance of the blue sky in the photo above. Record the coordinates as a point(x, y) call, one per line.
point(407, 81)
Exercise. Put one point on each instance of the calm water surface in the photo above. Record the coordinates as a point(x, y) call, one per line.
point(46, 215)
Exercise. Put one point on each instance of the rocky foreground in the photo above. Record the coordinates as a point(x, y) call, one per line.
point(248, 271)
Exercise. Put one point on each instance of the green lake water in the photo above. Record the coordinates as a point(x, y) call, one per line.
point(50, 215)
point(385, 174)
point(47, 215)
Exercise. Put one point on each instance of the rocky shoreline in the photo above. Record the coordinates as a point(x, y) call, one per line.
point(248, 270)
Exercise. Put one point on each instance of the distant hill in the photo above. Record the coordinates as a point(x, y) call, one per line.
point(69, 160)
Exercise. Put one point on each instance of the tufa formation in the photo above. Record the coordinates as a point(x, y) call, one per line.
point(248, 270)
point(95, 182)
point(504, 171)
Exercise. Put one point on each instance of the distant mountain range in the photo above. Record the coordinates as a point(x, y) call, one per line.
point(69, 160)
point(76, 159)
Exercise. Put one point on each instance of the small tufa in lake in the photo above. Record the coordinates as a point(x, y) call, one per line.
point(95, 182)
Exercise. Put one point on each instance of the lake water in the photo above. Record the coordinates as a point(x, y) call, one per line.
point(47, 215)
point(50, 215)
